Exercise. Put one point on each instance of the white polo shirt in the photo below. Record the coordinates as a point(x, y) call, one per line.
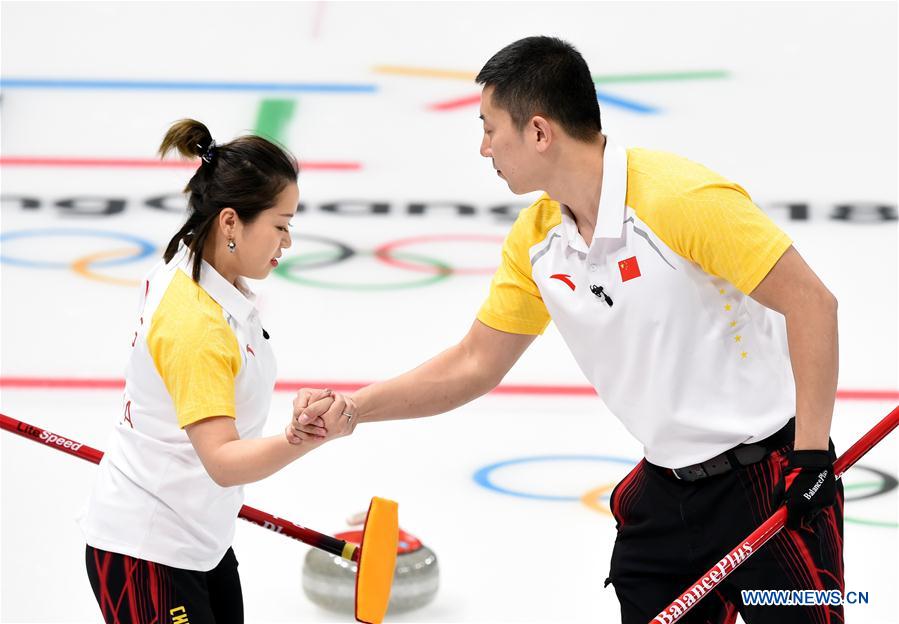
point(672, 342)
point(198, 352)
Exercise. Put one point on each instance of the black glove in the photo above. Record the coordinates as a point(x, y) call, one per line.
point(810, 484)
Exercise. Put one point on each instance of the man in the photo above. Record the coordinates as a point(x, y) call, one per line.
point(699, 324)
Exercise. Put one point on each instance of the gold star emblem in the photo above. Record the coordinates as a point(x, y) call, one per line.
point(733, 323)
point(743, 355)
point(738, 338)
point(727, 307)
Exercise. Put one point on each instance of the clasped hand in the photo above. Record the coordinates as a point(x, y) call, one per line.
point(320, 416)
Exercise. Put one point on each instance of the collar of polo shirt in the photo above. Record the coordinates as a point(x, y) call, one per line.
point(238, 301)
point(611, 210)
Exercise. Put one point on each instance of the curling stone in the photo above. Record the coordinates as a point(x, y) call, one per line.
point(330, 581)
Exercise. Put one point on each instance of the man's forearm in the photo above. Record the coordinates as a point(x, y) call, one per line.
point(441, 384)
point(814, 354)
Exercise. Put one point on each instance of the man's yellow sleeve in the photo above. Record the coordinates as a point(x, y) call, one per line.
point(514, 304)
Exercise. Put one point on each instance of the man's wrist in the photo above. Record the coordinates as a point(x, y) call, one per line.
point(811, 442)
point(812, 430)
point(360, 411)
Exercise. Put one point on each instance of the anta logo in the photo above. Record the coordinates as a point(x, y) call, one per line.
point(250, 351)
point(563, 277)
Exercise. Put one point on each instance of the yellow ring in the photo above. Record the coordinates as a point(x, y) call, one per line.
point(81, 266)
point(424, 72)
point(591, 499)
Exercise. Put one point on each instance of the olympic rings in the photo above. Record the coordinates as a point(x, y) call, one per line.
point(885, 484)
point(344, 251)
point(146, 248)
point(82, 266)
point(591, 498)
point(291, 269)
point(304, 261)
point(482, 476)
point(386, 254)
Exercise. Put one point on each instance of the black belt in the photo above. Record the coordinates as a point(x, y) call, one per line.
point(742, 455)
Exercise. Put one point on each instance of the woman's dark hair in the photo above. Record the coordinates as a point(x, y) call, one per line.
point(246, 174)
point(544, 76)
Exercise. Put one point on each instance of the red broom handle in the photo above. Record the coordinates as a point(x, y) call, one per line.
point(691, 596)
point(251, 514)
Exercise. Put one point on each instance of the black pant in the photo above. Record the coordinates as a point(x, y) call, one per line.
point(134, 591)
point(670, 532)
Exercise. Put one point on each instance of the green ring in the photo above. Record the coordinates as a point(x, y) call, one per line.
point(283, 270)
point(856, 486)
point(877, 523)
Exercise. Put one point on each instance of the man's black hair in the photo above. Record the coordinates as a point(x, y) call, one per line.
point(544, 76)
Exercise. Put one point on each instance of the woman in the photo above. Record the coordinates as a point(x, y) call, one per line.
point(198, 386)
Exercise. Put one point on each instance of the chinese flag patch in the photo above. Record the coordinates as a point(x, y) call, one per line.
point(629, 268)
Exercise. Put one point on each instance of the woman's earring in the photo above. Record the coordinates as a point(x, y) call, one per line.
point(231, 246)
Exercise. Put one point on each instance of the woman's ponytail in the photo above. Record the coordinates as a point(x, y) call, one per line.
point(190, 137)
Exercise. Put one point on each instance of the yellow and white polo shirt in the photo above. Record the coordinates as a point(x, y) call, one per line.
point(198, 351)
point(655, 309)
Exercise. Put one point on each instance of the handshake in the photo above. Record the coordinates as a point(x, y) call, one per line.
point(320, 416)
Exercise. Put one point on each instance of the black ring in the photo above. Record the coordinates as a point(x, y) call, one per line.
point(345, 252)
point(887, 484)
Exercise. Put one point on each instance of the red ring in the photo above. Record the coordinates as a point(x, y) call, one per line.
point(407, 543)
point(383, 253)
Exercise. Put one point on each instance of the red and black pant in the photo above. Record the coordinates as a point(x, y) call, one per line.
point(670, 532)
point(134, 591)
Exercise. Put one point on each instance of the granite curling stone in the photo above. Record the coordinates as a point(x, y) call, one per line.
point(330, 581)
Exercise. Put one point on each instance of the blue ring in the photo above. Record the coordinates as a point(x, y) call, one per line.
point(146, 247)
point(482, 476)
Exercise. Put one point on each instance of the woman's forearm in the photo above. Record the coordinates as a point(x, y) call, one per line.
point(244, 461)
